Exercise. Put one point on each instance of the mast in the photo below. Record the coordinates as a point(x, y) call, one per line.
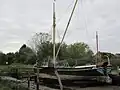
point(54, 58)
point(76, 1)
point(54, 30)
point(97, 46)
point(97, 40)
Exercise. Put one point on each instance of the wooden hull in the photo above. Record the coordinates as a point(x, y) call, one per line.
point(73, 71)
point(70, 76)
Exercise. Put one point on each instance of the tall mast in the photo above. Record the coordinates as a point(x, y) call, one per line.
point(76, 1)
point(97, 40)
point(54, 58)
point(97, 46)
point(54, 30)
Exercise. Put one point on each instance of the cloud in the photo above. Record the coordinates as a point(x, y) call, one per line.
point(101, 16)
point(20, 19)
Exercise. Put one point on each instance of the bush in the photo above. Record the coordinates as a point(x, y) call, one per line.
point(15, 73)
point(115, 62)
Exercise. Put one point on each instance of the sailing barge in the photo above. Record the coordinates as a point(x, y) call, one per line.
point(78, 73)
point(67, 74)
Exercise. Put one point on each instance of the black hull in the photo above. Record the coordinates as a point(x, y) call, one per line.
point(71, 71)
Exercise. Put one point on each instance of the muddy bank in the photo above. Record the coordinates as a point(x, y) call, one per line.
point(15, 84)
point(98, 88)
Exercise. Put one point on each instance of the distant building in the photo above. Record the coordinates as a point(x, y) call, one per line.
point(117, 55)
point(102, 56)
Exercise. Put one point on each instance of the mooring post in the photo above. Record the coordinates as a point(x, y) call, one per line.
point(28, 81)
point(37, 83)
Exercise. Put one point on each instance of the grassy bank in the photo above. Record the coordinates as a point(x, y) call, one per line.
point(10, 85)
point(15, 70)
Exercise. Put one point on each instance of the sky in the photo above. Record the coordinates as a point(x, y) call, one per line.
point(21, 19)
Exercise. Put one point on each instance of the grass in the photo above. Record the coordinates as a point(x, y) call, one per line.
point(3, 67)
point(22, 67)
point(3, 87)
point(15, 69)
point(10, 85)
point(7, 70)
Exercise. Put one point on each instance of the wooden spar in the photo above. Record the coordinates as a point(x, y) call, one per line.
point(54, 58)
point(97, 46)
point(76, 1)
point(97, 40)
point(54, 31)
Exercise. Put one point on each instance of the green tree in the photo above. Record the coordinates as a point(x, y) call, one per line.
point(37, 40)
point(79, 50)
point(63, 54)
point(26, 55)
point(17, 57)
point(3, 58)
point(79, 53)
point(46, 50)
point(10, 58)
point(41, 46)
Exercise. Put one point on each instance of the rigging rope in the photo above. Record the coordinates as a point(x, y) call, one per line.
point(85, 19)
point(58, 21)
point(65, 12)
point(86, 26)
point(66, 28)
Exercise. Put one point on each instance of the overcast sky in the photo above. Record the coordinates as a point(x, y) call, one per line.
point(20, 19)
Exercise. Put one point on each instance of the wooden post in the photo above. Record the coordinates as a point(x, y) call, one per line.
point(28, 81)
point(37, 84)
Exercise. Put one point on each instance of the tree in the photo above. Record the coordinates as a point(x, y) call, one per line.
point(80, 53)
point(46, 50)
point(79, 50)
point(63, 54)
point(37, 40)
point(40, 44)
point(17, 57)
point(26, 55)
point(43, 48)
point(3, 58)
point(10, 57)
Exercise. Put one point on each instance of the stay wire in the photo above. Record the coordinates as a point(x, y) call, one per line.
point(58, 21)
point(66, 28)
